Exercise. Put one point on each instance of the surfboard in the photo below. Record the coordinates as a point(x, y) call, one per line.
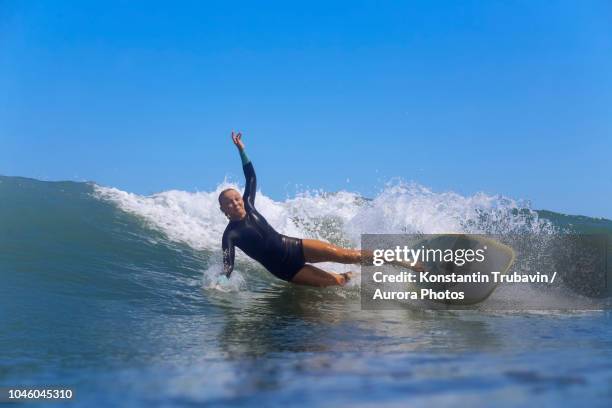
point(498, 258)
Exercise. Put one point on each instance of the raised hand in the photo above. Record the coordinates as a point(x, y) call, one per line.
point(237, 139)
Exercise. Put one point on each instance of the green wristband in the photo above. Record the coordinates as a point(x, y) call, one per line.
point(243, 157)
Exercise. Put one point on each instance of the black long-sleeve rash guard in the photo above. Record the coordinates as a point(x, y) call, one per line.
point(252, 234)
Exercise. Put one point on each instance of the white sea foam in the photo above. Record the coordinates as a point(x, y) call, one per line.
point(341, 217)
point(195, 218)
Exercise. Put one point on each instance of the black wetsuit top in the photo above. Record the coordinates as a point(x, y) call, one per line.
point(281, 255)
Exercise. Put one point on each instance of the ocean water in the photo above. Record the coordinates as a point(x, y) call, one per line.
point(112, 294)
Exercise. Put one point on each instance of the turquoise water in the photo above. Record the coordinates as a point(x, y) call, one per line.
point(107, 293)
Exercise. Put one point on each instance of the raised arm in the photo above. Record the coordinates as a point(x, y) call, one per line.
point(249, 172)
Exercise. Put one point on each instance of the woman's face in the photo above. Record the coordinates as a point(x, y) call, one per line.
point(232, 205)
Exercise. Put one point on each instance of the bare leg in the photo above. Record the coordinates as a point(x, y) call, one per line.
point(319, 251)
point(312, 276)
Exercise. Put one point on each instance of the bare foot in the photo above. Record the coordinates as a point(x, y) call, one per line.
point(347, 277)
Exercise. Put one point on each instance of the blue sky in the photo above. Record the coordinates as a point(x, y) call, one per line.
point(505, 97)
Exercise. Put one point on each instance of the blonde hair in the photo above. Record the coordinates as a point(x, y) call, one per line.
point(225, 191)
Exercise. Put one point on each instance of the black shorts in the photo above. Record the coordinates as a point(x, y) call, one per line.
point(291, 261)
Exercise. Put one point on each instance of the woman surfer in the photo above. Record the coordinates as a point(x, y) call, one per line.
point(285, 257)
